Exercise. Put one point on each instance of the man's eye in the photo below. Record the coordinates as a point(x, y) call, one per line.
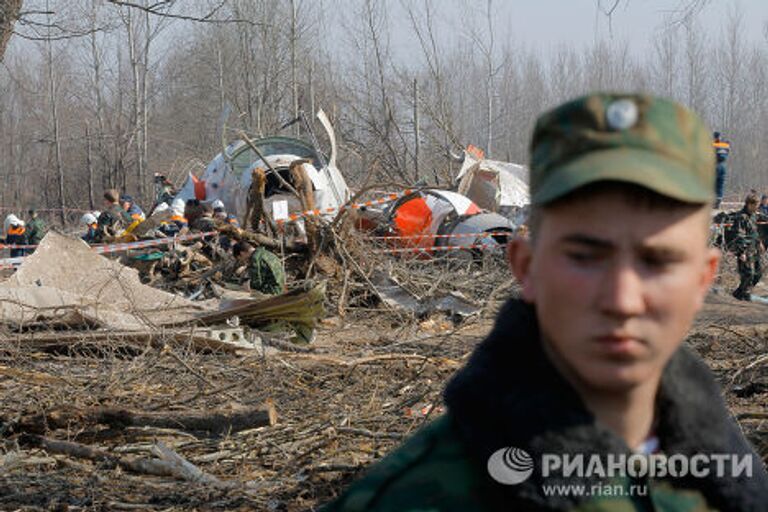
point(657, 262)
point(582, 257)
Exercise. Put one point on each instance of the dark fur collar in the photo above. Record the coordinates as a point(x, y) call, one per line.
point(509, 394)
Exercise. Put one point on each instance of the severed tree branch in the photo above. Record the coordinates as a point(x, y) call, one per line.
point(163, 9)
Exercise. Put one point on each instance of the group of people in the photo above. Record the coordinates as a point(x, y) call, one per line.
point(19, 232)
point(121, 215)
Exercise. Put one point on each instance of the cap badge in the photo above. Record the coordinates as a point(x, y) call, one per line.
point(621, 114)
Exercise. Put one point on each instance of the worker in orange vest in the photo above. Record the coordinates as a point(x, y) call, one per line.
point(15, 234)
point(722, 150)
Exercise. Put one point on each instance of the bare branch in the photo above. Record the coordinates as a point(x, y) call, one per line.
point(163, 9)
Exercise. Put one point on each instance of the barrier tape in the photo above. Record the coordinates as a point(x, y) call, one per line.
point(293, 217)
point(715, 226)
point(438, 248)
point(17, 246)
point(110, 248)
point(56, 210)
point(142, 244)
point(457, 235)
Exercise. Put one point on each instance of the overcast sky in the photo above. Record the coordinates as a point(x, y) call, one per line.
point(545, 24)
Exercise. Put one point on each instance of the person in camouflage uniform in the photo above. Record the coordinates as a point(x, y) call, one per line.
point(36, 229)
point(588, 360)
point(265, 271)
point(748, 248)
point(164, 190)
point(113, 220)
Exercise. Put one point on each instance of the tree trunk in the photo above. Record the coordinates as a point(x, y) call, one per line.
point(416, 137)
point(9, 13)
point(55, 123)
point(294, 84)
point(89, 163)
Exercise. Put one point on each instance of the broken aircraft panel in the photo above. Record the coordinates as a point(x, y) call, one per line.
point(496, 186)
point(228, 176)
point(418, 217)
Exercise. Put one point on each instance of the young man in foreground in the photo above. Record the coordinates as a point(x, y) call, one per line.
point(588, 365)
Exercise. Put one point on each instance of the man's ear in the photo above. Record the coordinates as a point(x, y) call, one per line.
point(519, 254)
point(709, 272)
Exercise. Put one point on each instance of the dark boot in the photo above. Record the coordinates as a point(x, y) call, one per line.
point(740, 294)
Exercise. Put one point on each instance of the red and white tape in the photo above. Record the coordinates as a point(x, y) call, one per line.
point(155, 242)
point(430, 236)
point(428, 250)
point(110, 248)
point(293, 217)
point(56, 210)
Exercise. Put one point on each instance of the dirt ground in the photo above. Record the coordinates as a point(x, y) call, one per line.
point(368, 381)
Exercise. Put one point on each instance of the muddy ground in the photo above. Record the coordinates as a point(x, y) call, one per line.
point(370, 379)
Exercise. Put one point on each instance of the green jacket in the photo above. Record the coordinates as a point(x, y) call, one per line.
point(509, 395)
point(747, 235)
point(35, 230)
point(266, 272)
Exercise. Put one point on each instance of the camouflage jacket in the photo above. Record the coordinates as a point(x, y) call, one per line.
point(111, 223)
point(509, 395)
point(266, 272)
point(203, 224)
point(746, 234)
point(35, 230)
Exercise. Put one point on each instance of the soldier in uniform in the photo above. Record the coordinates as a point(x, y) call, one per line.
point(265, 271)
point(36, 229)
point(588, 360)
point(114, 219)
point(204, 221)
point(748, 248)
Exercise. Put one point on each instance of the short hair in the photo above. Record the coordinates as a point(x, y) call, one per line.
point(111, 195)
point(636, 196)
point(751, 199)
point(241, 247)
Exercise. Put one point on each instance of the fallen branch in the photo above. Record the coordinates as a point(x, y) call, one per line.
point(217, 422)
point(753, 415)
point(185, 470)
point(108, 461)
point(168, 462)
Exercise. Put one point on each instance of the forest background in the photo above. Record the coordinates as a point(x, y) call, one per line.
point(98, 94)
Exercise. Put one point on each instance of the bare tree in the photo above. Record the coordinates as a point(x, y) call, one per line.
point(9, 13)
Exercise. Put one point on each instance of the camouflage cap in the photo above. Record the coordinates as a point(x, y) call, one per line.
point(639, 139)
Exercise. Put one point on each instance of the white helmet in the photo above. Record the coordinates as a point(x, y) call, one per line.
point(178, 206)
point(12, 220)
point(217, 204)
point(88, 219)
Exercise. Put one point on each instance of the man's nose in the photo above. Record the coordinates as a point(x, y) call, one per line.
point(622, 292)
